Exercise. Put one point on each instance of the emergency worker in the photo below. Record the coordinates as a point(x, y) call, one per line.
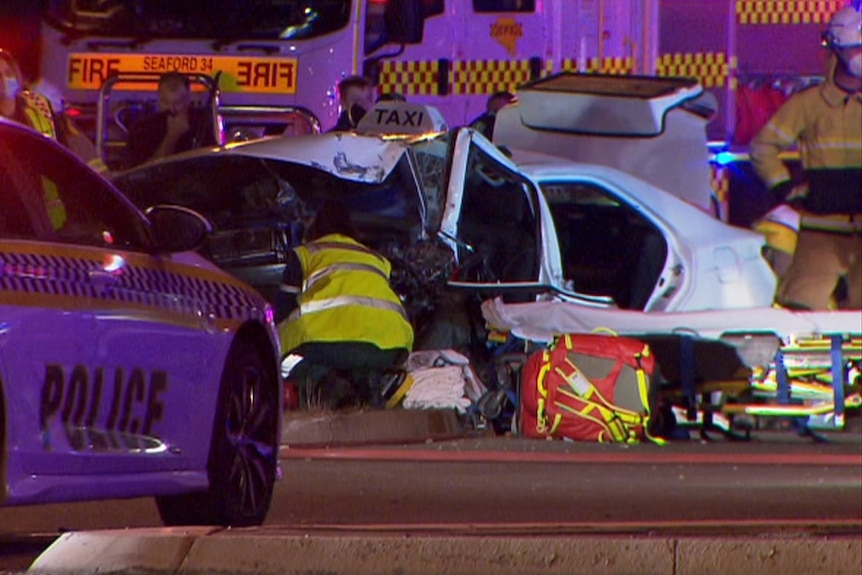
point(34, 110)
point(485, 122)
point(356, 97)
point(780, 226)
point(21, 105)
point(175, 127)
point(825, 122)
point(337, 311)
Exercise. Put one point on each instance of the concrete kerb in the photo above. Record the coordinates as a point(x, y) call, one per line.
point(262, 553)
point(369, 427)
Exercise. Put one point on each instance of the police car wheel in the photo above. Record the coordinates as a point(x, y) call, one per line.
point(244, 450)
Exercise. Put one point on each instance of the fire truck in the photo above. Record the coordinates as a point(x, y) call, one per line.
point(278, 62)
point(447, 53)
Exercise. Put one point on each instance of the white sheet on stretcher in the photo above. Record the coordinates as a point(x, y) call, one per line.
point(541, 321)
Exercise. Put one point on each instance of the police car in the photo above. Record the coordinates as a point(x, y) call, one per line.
point(129, 366)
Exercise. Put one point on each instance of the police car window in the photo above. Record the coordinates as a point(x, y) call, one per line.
point(504, 5)
point(607, 247)
point(15, 219)
point(80, 208)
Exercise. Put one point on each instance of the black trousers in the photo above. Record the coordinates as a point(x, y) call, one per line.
point(335, 372)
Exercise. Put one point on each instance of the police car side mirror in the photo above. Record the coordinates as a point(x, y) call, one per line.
point(405, 21)
point(177, 229)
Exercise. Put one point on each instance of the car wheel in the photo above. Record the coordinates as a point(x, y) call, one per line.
point(243, 453)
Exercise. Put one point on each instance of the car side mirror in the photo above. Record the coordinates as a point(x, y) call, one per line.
point(177, 229)
point(405, 21)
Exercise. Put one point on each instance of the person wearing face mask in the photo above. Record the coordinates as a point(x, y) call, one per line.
point(22, 105)
point(356, 96)
point(825, 122)
point(9, 88)
point(175, 127)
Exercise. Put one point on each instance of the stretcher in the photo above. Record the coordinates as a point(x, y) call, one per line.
point(809, 381)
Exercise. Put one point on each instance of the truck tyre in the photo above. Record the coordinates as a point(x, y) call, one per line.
point(243, 455)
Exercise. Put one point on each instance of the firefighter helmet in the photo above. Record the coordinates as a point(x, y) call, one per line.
point(845, 28)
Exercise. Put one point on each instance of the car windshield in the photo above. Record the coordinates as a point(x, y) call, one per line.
point(234, 191)
point(431, 157)
point(200, 19)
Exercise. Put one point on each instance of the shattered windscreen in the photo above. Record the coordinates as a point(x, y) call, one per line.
point(200, 19)
point(431, 158)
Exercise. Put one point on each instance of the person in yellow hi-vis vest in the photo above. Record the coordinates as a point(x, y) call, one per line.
point(337, 311)
point(825, 122)
point(22, 105)
point(33, 110)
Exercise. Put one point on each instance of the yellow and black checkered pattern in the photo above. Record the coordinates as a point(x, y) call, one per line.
point(712, 69)
point(615, 66)
point(410, 78)
point(787, 11)
point(42, 277)
point(468, 77)
point(489, 76)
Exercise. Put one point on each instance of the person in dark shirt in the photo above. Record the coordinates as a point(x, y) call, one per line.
point(176, 127)
point(485, 123)
point(356, 95)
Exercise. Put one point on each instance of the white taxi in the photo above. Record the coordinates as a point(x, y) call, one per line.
point(129, 366)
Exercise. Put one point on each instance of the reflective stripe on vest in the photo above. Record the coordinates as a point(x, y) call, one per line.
point(339, 301)
point(315, 247)
point(353, 267)
point(38, 112)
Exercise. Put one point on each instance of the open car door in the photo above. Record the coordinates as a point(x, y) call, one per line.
point(497, 223)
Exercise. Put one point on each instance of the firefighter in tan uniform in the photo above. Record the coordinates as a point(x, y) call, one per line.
point(825, 122)
point(337, 311)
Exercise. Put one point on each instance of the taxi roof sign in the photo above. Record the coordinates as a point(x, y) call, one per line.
point(401, 119)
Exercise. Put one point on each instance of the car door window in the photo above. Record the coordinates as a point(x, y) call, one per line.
point(15, 219)
point(497, 222)
point(67, 201)
point(608, 248)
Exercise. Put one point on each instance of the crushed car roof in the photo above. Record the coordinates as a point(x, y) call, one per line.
point(345, 155)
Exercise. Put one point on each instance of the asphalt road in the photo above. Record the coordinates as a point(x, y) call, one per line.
point(522, 486)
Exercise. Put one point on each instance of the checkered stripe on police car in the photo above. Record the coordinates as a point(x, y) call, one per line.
point(162, 289)
point(38, 266)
